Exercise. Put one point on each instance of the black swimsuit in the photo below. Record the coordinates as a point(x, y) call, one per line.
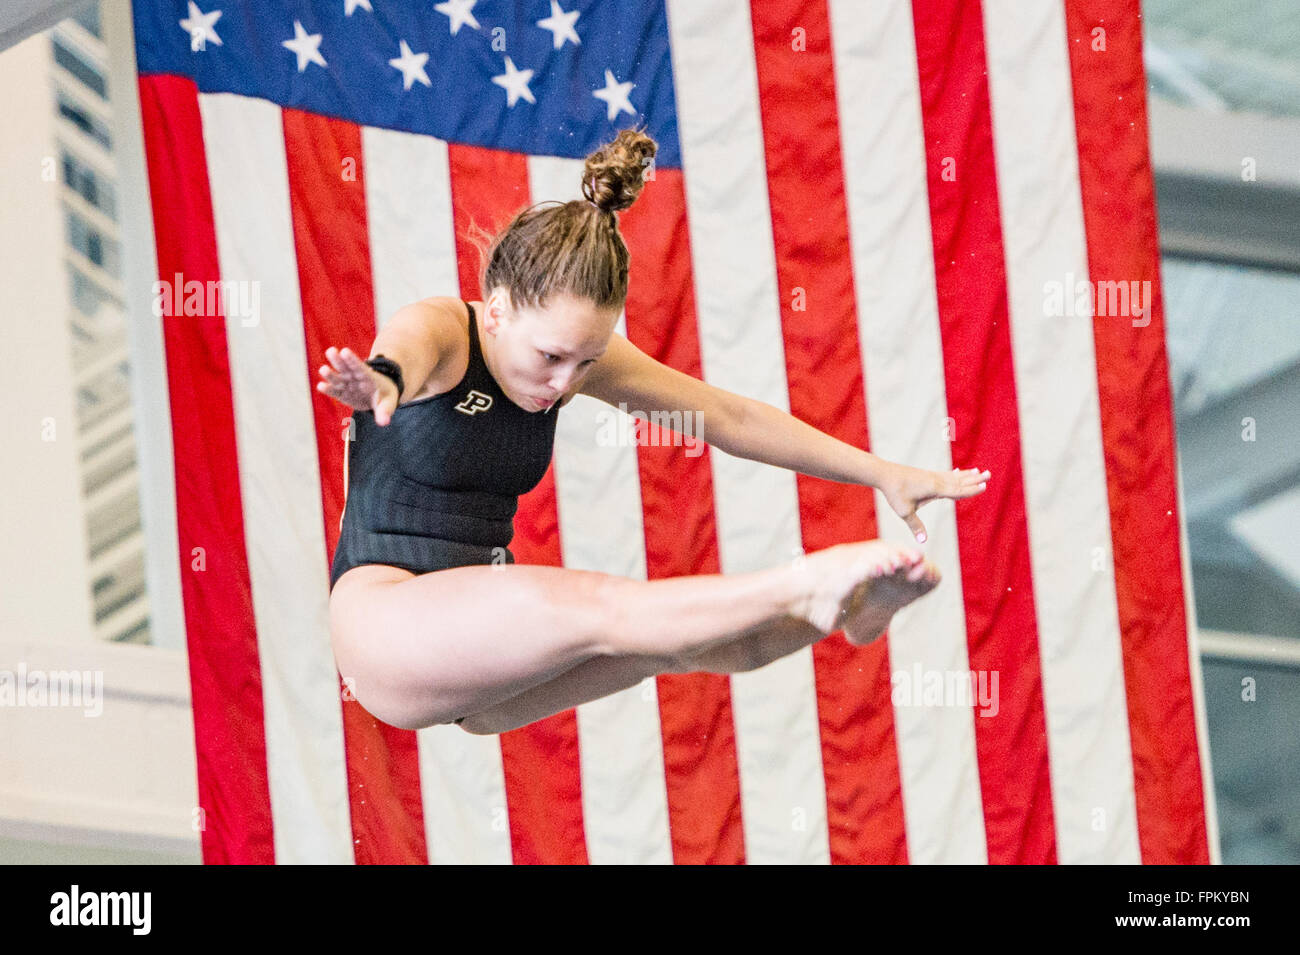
point(439, 485)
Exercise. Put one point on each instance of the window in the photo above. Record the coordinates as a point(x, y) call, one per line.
point(70, 110)
point(87, 294)
point(92, 243)
point(78, 67)
point(92, 187)
point(1234, 352)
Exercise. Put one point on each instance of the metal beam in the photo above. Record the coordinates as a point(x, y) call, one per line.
point(19, 19)
point(1227, 185)
point(1250, 648)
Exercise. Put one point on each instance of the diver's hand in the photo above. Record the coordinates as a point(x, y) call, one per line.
point(907, 488)
point(357, 385)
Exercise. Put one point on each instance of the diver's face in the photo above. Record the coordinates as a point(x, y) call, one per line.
point(542, 354)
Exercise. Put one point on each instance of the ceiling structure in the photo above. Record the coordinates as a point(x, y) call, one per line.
point(19, 19)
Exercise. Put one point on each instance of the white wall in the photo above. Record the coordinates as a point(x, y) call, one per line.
point(112, 769)
point(119, 786)
point(43, 562)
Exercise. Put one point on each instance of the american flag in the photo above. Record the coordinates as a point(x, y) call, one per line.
point(856, 214)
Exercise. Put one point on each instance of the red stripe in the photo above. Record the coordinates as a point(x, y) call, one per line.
point(225, 670)
point(542, 769)
point(810, 229)
point(1137, 428)
point(701, 771)
point(327, 198)
point(992, 532)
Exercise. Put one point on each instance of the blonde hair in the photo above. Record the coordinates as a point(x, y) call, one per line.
point(572, 247)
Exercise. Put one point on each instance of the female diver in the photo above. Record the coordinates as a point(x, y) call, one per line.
point(454, 414)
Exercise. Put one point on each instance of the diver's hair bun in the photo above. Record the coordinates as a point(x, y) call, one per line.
point(614, 175)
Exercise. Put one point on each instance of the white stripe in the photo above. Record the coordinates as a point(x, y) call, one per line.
point(410, 224)
point(150, 397)
point(279, 478)
point(742, 350)
point(598, 495)
point(463, 792)
point(893, 271)
point(1081, 656)
point(413, 256)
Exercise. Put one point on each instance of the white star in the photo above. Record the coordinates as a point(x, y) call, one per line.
point(561, 25)
point(515, 82)
point(412, 67)
point(306, 45)
point(615, 96)
point(350, 5)
point(199, 26)
point(459, 13)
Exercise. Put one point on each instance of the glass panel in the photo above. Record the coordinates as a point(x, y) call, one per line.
point(1229, 326)
point(87, 294)
point(1224, 55)
point(74, 64)
point(1252, 711)
point(91, 243)
point(93, 188)
point(70, 110)
point(1233, 337)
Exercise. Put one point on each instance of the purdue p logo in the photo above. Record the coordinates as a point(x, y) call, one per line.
point(475, 402)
